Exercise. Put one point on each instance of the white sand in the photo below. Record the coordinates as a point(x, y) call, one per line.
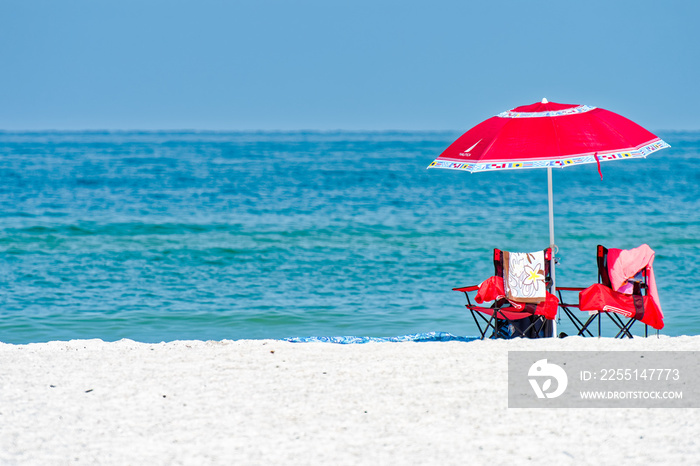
point(259, 402)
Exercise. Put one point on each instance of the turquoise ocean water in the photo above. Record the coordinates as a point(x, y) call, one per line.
point(163, 236)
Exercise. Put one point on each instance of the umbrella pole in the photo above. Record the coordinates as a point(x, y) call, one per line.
point(551, 240)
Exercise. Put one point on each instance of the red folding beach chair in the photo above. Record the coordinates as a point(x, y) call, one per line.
point(625, 292)
point(522, 305)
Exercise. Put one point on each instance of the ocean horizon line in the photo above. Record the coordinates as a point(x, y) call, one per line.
point(258, 131)
point(224, 131)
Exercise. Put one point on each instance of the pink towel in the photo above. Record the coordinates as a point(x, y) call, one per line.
point(624, 264)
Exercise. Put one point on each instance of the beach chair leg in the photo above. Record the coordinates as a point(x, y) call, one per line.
point(617, 322)
point(523, 333)
point(493, 323)
point(628, 326)
point(542, 321)
point(488, 323)
point(589, 322)
point(543, 324)
point(577, 322)
point(476, 321)
point(624, 327)
point(624, 332)
point(582, 329)
point(501, 323)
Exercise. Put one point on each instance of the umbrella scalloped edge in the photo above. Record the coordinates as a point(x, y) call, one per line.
point(550, 113)
point(640, 152)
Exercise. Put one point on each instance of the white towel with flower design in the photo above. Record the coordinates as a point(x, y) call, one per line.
point(524, 276)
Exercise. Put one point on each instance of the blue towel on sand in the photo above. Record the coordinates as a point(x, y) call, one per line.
point(417, 337)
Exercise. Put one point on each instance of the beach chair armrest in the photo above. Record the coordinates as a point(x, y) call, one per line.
point(562, 303)
point(464, 289)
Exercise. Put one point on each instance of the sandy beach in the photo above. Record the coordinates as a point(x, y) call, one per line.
point(265, 401)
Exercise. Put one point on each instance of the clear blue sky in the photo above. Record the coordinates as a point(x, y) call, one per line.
point(378, 64)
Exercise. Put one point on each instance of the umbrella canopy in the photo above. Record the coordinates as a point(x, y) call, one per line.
point(546, 135)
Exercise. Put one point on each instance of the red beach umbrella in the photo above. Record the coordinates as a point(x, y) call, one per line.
point(547, 135)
